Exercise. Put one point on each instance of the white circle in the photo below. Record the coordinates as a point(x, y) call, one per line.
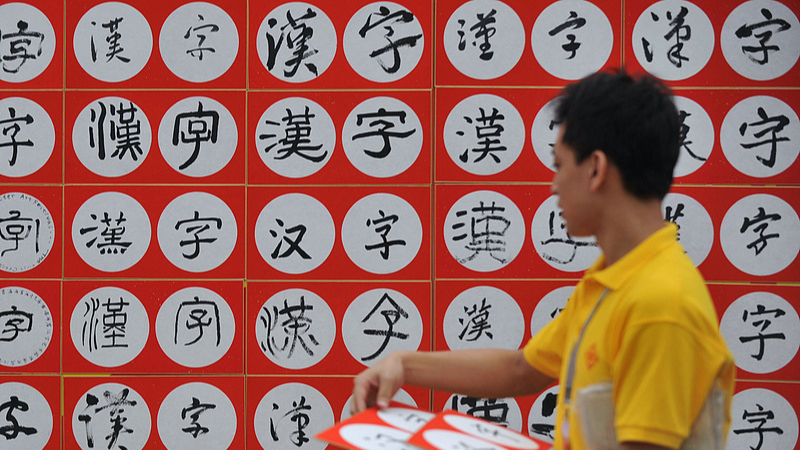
point(407, 419)
point(760, 234)
point(27, 232)
point(572, 39)
point(109, 326)
point(367, 435)
point(401, 396)
point(28, 136)
point(484, 231)
point(295, 329)
point(760, 136)
point(757, 47)
point(27, 326)
point(752, 407)
point(295, 233)
point(555, 246)
point(697, 136)
point(549, 307)
point(108, 402)
point(673, 39)
point(195, 327)
point(296, 42)
point(111, 231)
point(198, 42)
point(379, 322)
point(198, 136)
point(295, 137)
point(275, 407)
point(112, 136)
point(31, 411)
point(489, 431)
point(441, 438)
point(112, 42)
point(196, 415)
point(197, 232)
point(382, 233)
point(483, 317)
point(484, 134)
point(382, 137)
point(383, 42)
point(544, 133)
point(484, 39)
point(500, 411)
point(31, 42)
point(762, 331)
point(695, 229)
point(542, 416)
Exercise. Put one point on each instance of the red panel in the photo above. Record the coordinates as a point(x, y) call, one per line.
point(154, 169)
point(154, 199)
point(338, 295)
point(717, 71)
point(339, 75)
point(155, 74)
point(338, 200)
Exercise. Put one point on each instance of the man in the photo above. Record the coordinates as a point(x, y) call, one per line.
point(651, 343)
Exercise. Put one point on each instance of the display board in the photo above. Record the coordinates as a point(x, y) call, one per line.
point(214, 214)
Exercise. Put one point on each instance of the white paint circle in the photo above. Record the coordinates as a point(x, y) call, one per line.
point(382, 137)
point(97, 130)
point(198, 136)
point(760, 234)
point(591, 42)
point(681, 56)
point(206, 56)
point(737, 33)
point(555, 246)
point(282, 220)
point(30, 127)
point(214, 410)
point(35, 413)
point(479, 57)
point(295, 329)
point(102, 213)
point(366, 47)
point(109, 326)
point(484, 134)
point(379, 322)
point(280, 42)
point(295, 137)
point(483, 317)
point(484, 231)
point(203, 222)
point(762, 331)
point(382, 233)
point(37, 51)
point(195, 308)
point(112, 42)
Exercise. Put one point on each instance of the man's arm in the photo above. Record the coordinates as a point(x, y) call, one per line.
point(490, 373)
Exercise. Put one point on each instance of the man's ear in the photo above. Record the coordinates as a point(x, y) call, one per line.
point(599, 165)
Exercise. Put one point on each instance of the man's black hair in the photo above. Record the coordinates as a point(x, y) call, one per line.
point(632, 120)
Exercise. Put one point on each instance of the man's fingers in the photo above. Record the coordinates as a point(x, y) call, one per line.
point(386, 390)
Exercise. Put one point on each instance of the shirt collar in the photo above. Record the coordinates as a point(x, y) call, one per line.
point(615, 276)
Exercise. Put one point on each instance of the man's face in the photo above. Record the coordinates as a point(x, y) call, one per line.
point(572, 185)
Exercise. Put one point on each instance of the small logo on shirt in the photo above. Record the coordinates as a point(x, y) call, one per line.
point(591, 356)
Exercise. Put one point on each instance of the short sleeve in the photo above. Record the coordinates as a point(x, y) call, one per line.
point(662, 375)
point(544, 352)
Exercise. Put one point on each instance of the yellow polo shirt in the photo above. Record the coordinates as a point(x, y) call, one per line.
point(655, 338)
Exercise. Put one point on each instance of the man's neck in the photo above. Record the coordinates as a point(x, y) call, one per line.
point(626, 225)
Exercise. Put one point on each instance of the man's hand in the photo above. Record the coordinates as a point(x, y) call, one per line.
point(377, 385)
point(491, 373)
